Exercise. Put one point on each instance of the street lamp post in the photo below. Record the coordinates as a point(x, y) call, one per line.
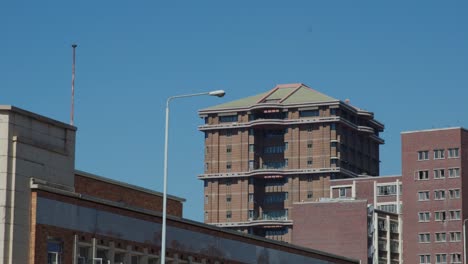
point(218, 93)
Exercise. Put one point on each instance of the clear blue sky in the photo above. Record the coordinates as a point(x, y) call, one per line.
point(407, 61)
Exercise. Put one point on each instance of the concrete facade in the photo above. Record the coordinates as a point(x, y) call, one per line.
point(30, 146)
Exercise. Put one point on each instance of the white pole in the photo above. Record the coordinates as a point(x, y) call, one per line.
point(164, 216)
point(218, 93)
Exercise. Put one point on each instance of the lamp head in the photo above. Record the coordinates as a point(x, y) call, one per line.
point(218, 93)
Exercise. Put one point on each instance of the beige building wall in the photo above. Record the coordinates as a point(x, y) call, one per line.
point(31, 146)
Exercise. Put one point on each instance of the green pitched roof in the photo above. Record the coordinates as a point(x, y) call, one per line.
point(282, 94)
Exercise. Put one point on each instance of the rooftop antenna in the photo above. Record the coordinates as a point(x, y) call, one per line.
point(72, 113)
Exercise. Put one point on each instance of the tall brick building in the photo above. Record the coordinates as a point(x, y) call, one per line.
point(434, 163)
point(266, 152)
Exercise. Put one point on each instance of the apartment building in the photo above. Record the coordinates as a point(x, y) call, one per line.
point(361, 219)
point(434, 182)
point(266, 152)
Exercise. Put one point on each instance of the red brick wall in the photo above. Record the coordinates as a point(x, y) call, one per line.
point(411, 144)
point(124, 195)
point(345, 224)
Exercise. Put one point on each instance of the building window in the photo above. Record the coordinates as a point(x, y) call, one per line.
point(455, 258)
point(386, 190)
point(422, 175)
point(439, 153)
point(309, 113)
point(251, 148)
point(424, 238)
point(228, 133)
point(206, 216)
point(441, 258)
point(286, 146)
point(423, 196)
point(207, 199)
point(207, 166)
point(439, 174)
point(309, 161)
point(228, 166)
point(228, 148)
point(309, 144)
point(286, 161)
point(309, 129)
point(424, 259)
point(440, 216)
point(251, 197)
point(333, 126)
point(455, 236)
point(454, 172)
point(387, 208)
point(228, 198)
point(439, 195)
point(251, 165)
point(228, 215)
point(453, 153)
point(54, 252)
point(228, 182)
point(251, 214)
point(424, 216)
point(455, 215)
point(342, 192)
point(228, 119)
point(440, 237)
point(454, 194)
point(251, 132)
point(272, 198)
point(423, 155)
point(309, 195)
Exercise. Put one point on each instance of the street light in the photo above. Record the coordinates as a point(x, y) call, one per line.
point(218, 93)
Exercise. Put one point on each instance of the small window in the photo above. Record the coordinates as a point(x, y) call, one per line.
point(423, 196)
point(309, 162)
point(424, 216)
point(309, 113)
point(228, 198)
point(439, 174)
point(422, 175)
point(425, 238)
point(455, 258)
point(251, 147)
point(441, 258)
point(333, 126)
point(206, 216)
point(309, 144)
point(309, 195)
point(424, 259)
point(440, 237)
point(206, 199)
point(439, 153)
point(228, 148)
point(439, 195)
point(342, 192)
point(228, 215)
point(228, 133)
point(440, 216)
point(453, 153)
point(251, 197)
point(228, 119)
point(251, 214)
point(54, 252)
point(455, 236)
point(228, 166)
point(286, 146)
point(454, 194)
point(454, 172)
point(455, 215)
point(423, 155)
point(251, 132)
